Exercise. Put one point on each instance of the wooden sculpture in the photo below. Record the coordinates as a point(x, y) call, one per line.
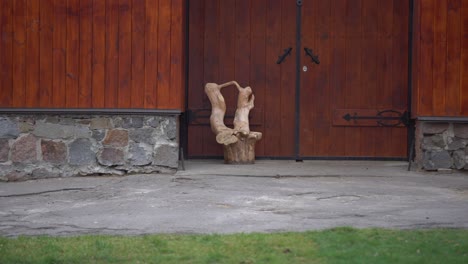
point(238, 142)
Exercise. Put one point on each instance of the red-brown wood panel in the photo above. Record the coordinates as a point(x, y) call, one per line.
point(195, 75)
point(46, 51)
point(138, 54)
point(112, 53)
point(464, 59)
point(92, 54)
point(453, 83)
point(86, 53)
point(19, 54)
point(274, 48)
point(73, 53)
point(125, 54)
point(164, 54)
point(32, 53)
point(440, 40)
point(59, 40)
point(99, 54)
point(6, 51)
point(151, 53)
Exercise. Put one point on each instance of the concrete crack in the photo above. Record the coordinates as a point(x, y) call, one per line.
point(44, 192)
point(339, 196)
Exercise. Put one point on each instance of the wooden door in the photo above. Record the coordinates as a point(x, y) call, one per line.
point(351, 102)
point(299, 106)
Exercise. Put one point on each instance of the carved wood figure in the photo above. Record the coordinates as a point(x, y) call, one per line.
point(238, 142)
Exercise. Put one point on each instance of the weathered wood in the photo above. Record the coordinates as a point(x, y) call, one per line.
point(238, 142)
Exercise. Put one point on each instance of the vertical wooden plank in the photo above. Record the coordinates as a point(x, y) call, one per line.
point(86, 54)
point(321, 97)
point(257, 62)
point(59, 40)
point(125, 54)
point(338, 72)
point(400, 73)
point(19, 53)
point(272, 113)
point(416, 49)
point(151, 53)
point(112, 53)
point(177, 89)
point(32, 54)
point(242, 67)
point(6, 51)
point(73, 53)
point(164, 51)
point(195, 78)
point(45, 54)
point(287, 99)
point(211, 70)
point(98, 54)
point(385, 85)
point(439, 54)
point(453, 82)
point(138, 54)
point(426, 63)
point(225, 66)
point(464, 59)
point(353, 71)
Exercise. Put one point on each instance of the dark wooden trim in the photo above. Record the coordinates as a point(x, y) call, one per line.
point(99, 111)
point(450, 119)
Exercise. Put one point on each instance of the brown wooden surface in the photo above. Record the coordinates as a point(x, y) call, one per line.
point(440, 64)
point(92, 54)
point(362, 46)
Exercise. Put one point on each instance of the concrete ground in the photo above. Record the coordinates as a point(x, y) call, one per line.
point(210, 197)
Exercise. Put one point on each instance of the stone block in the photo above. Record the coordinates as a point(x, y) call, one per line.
point(59, 131)
point(4, 149)
point(43, 173)
point(116, 138)
point(460, 130)
point(139, 155)
point(8, 129)
point(459, 159)
point(111, 157)
point(154, 121)
point(101, 123)
point(81, 152)
point(98, 135)
point(438, 141)
point(434, 160)
point(457, 144)
point(166, 154)
point(142, 135)
point(434, 128)
point(428, 144)
point(16, 176)
point(171, 129)
point(24, 150)
point(132, 122)
point(54, 152)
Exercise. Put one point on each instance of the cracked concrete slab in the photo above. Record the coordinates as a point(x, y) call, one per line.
point(210, 197)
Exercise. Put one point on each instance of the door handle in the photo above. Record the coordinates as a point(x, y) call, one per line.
point(311, 54)
point(286, 53)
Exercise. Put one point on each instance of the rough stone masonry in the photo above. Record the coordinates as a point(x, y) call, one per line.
point(45, 146)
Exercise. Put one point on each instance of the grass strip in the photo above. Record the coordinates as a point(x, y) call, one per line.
point(339, 245)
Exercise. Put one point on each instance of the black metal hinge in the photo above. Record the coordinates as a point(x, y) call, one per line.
point(385, 118)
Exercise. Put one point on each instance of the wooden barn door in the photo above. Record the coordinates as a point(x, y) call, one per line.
point(349, 105)
point(353, 103)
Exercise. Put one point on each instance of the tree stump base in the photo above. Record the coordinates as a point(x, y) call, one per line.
point(238, 142)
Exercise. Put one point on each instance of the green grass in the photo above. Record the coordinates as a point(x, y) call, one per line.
point(340, 245)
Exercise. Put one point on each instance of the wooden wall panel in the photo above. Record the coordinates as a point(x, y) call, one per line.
point(440, 45)
point(92, 54)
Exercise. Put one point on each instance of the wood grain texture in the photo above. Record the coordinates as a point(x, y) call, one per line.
point(92, 54)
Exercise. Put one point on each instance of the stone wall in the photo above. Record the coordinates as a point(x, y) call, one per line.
point(44, 146)
point(442, 145)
